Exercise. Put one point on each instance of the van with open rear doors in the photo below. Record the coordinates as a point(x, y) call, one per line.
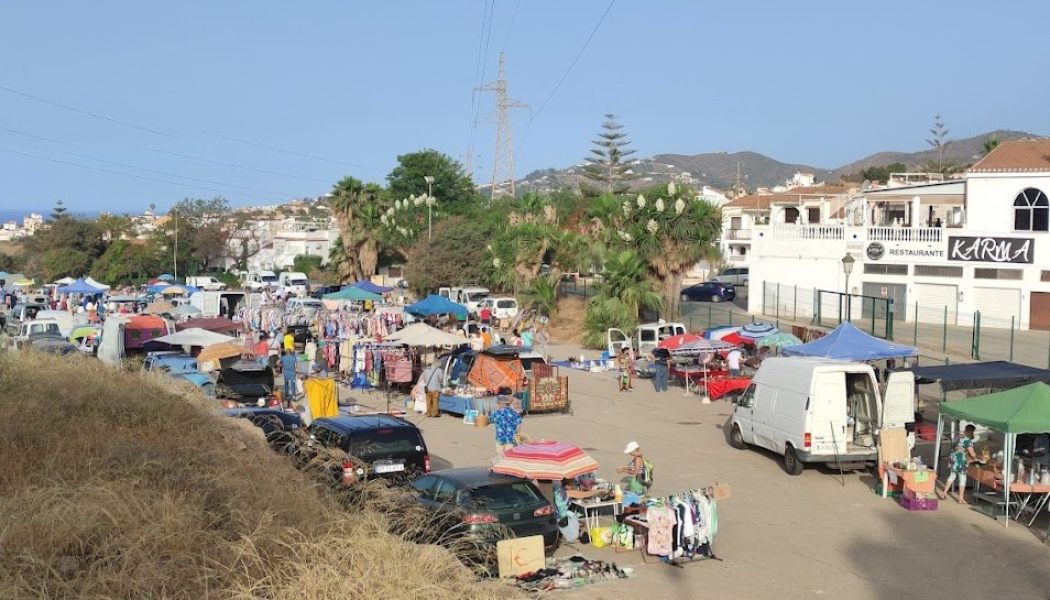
point(815, 410)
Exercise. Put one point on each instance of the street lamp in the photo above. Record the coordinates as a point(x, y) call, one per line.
point(430, 203)
point(847, 268)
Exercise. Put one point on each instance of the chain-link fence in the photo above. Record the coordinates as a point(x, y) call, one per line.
point(939, 331)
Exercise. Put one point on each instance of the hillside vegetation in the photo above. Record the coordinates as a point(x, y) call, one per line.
point(114, 486)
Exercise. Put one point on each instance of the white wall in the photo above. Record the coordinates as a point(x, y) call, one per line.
point(990, 198)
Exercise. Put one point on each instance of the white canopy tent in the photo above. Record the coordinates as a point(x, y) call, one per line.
point(421, 334)
point(194, 336)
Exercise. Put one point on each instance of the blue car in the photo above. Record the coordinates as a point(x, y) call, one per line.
point(710, 291)
point(181, 366)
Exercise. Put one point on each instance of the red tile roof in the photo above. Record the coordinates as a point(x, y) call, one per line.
point(799, 194)
point(1019, 156)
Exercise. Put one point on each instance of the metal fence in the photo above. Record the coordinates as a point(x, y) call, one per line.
point(938, 331)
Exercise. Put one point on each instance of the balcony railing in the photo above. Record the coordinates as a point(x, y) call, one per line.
point(809, 232)
point(904, 234)
point(737, 258)
point(738, 234)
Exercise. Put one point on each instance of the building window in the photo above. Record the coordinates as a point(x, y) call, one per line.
point(1044, 275)
point(1012, 274)
point(938, 271)
point(791, 215)
point(814, 215)
point(1031, 211)
point(884, 269)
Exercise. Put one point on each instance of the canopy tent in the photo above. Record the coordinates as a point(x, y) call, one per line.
point(846, 342)
point(677, 340)
point(353, 294)
point(194, 337)
point(215, 324)
point(166, 277)
point(186, 310)
point(94, 283)
point(368, 286)
point(80, 286)
point(421, 334)
point(1021, 410)
point(63, 281)
point(159, 308)
point(993, 375)
point(493, 372)
point(436, 305)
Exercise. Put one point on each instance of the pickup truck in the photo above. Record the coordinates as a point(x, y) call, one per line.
point(34, 329)
point(21, 313)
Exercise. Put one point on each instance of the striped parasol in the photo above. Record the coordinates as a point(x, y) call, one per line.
point(719, 332)
point(545, 460)
point(677, 340)
point(779, 340)
point(757, 331)
point(702, 346)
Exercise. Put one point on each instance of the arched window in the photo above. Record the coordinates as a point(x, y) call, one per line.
point(1031, 211)
point(791, 215)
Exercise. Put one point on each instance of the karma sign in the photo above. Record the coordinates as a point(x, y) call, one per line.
point(991, 249)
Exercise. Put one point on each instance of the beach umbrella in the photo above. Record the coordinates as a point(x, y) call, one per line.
point(173, 290)
point(702, 346)
point(159, 307)
point(757, 331)
point(194, 336)
point(217, 352)
point(720, 331)
point(545, 460)
point(737, 339)
point(423, 335)
point(166, 277)
point(779, 340)
point(677, 340)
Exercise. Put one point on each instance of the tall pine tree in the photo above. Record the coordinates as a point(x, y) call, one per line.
point(608, 167)
point(59, 211)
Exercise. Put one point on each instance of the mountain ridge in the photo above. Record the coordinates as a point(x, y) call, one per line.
point(719, 169)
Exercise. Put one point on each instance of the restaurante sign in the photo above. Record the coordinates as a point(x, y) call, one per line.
point(991, 249)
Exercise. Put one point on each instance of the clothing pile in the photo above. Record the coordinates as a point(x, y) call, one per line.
point(570, 572)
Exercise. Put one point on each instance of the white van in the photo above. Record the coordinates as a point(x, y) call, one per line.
point(816, 410)
point(294, 282)
point(502, 307)
point(259, 281)
point(469, 295)
point(645, 338)
point(206, 283)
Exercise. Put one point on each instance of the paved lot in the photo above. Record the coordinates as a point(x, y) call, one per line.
point(780, 536)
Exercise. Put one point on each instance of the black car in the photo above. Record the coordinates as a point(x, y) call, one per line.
point(277, 425)
point(245, 381)
point(318, 291)
point(710, 291)
point(375, 446)
point(486, 500)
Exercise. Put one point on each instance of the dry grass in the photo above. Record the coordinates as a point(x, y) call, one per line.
point(567, 325)
point(112, 486)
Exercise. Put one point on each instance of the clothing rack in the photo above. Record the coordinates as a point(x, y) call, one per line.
point(683, 528)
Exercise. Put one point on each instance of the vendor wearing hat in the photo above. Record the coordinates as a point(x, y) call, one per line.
point(635, 470)
point(506, 421)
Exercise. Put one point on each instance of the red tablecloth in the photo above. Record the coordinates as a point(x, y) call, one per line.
point(716, 388)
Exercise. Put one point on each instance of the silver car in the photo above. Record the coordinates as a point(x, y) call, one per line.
point(734, 276)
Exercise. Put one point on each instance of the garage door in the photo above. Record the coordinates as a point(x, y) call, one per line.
point(932, 299)
point(997, 306)
point(897, 291)
point(1039, 311)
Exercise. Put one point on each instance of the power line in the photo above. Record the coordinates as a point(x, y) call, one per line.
point(86, 112)
point(269, 193)
point(234, 165)
point(168, 134)
point(565, 75)
point(102, 170)
point(479, 76)
point(510, 28)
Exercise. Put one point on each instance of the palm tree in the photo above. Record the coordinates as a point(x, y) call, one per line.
point(542, 296)
point(359, 209)
point(624, 291)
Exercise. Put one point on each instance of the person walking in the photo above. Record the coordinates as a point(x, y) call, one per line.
point(661, 368)
point(961, 456)
point(432, 377)
point(288, 366)
point(733, 360)
point(485, 315)
point(289, 341)
point(506, 421)
point(623, 362)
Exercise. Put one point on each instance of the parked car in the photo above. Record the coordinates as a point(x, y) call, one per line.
point(31, 330)
point(710, 291)
point(206, 282)
point(815, 410)
point(245, 382)
point(485, 499)
point(735, 276)
point(319, 290)
point(645, 338)
point(52, 344)
point(22, 313)
point(181, 366)
point(308, 304)
point(279, 426)
point(502, 307)
point(375, 446)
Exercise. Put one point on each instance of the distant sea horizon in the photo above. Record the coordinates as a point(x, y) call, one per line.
point(17, 214)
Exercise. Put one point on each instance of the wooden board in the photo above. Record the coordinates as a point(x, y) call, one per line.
point(520, 555)
point(893, 445)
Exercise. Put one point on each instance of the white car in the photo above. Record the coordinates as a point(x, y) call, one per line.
point(502, 307)
point(735, 276)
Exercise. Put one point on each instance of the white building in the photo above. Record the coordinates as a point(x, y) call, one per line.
point(274, 244)
point(942, 250)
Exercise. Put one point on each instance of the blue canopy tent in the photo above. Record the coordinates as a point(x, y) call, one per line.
point(436, 305)
point(353, 294)
point(80, 287)
point(846, 342)
point(368, 286)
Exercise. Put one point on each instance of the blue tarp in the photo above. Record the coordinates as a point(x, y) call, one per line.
point(368, 286)
point(353, 294)
point(846, 342)
point(80, 287)
point(436, 305)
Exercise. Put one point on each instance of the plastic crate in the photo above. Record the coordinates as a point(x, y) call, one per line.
point(917, 504)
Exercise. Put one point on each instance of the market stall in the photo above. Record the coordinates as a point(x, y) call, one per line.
point(1022, 410)
point(691, 363)
point(846, 342)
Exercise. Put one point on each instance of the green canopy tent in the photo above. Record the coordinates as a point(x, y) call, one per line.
point(1025, 409)
point(353, 294)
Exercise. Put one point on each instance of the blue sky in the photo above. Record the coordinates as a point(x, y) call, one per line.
point(354, 84)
